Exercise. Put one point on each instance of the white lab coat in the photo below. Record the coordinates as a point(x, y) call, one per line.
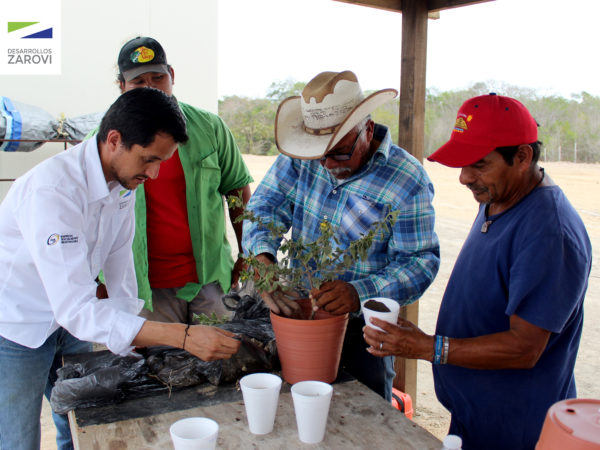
point(60, 224)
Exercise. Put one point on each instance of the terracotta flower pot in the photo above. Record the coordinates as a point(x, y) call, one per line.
point(309, 349)
point(572, 424)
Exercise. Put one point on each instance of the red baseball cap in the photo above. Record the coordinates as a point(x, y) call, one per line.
point(482, 124)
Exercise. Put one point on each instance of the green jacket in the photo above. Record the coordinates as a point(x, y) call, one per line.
point(213, 166)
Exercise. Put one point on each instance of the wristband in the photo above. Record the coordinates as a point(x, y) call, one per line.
point(437, 349)
point(445, 350)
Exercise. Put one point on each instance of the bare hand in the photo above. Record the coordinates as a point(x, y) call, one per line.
point(211, 343)
point(278, 301)
point(336, 297)
point(404, 339)
point(281, 302)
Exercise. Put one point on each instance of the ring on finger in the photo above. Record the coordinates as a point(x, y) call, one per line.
point(381, 345)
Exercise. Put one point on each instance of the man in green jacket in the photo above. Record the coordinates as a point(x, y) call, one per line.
point(182, 257)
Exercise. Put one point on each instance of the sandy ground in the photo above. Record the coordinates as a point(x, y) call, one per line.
point(455, 211)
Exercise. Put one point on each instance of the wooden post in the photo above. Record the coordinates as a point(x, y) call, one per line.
point(411, 136)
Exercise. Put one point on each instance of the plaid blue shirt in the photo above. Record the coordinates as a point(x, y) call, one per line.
point(300, 194)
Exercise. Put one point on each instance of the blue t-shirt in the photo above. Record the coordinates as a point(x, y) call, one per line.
point(534, 261)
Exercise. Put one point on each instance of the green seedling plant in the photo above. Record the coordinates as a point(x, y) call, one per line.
point(318, 261)
point(213, 319)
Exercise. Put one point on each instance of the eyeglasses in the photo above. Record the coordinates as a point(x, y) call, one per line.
point(343, 156)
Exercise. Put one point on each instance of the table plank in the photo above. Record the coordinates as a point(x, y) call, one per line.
point(358, 418)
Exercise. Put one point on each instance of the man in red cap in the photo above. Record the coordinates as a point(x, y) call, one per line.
point(510, 321)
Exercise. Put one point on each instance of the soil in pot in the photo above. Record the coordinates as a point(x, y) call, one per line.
point(309, 349)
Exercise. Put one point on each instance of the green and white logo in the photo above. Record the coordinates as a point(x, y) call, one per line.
point(30, 41)
point(20, 27)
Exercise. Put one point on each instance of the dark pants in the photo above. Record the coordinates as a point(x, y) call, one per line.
point(376, 373)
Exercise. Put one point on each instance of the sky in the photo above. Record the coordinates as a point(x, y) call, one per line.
point(546, 45)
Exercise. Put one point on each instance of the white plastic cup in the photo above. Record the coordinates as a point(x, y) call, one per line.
point(311, 405)
point(194, 433)
point(261, 395)
point(391, 317)
point(452, 442)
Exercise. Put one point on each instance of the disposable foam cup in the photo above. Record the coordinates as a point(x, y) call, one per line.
point(311, 405)
point(261, 395)
point(391, 316)
point(194, 433)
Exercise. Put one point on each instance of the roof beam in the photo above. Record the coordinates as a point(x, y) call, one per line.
point(439, 5)
point(388, 5)
point(396, 5)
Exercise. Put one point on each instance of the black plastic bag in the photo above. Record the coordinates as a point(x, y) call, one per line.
point(105, 378)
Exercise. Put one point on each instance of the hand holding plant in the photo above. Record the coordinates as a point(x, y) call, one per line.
point(304, 265)
point(280, 301)
point(336, 297)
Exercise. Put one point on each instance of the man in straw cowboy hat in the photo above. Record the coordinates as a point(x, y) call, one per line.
point(337, 165)
point(511, 318)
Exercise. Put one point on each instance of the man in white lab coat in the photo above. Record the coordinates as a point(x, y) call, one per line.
point(60, 224)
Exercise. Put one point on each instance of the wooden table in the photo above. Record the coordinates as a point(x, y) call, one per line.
point(358, 418)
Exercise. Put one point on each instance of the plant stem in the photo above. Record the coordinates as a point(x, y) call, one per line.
point(313, 302)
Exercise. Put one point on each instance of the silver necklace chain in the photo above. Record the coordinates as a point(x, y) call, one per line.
point(485, 226)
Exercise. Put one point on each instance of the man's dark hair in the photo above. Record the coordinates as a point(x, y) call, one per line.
point(508, 153)
point(140, 114)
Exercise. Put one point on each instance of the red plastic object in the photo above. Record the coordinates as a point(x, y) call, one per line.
point(402, 402)
point(571, 424)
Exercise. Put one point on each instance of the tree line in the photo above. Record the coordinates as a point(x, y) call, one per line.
point(569, 128)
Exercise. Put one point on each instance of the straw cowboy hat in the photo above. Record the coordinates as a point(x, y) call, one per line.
point(331, 104)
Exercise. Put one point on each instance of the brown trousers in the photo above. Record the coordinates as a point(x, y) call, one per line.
point(168, 308)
